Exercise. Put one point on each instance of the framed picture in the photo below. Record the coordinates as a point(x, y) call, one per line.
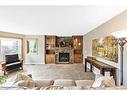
point(105, 48)
point(32, 46)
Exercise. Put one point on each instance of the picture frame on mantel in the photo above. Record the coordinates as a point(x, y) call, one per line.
point(32, 46)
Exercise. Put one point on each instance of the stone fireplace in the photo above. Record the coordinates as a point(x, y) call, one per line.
point(64, 55)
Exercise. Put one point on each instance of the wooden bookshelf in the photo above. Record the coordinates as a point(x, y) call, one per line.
point(77, 49)
point(50, 45)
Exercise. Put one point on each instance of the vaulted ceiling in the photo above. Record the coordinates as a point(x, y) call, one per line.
point(55, 20)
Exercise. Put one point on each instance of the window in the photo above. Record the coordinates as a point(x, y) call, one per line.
point(9, 46)
point(32, 46)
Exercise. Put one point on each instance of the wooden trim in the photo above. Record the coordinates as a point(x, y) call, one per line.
point(11, 35)
point(21, 61)
point(45, 47)
point(3, 65)
point(22, 49)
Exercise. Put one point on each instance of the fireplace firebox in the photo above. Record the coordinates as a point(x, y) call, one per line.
point(64, 57)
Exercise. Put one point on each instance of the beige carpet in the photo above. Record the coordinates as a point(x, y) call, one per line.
point(56, 71)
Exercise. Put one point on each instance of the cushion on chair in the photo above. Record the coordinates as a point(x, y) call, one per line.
point(64, 82)
point(11, 67)
point(11, 58)
point(14, 63)
point(43, 83)
point(84, 83)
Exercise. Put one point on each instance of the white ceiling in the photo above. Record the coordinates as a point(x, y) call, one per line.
point(55, 20)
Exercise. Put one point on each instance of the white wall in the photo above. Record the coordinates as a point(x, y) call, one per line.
point(115, 24)
point(38, 58)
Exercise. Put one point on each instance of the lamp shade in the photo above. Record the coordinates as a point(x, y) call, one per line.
point(120, 34)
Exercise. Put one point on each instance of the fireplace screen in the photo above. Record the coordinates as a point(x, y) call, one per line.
point(64, 57)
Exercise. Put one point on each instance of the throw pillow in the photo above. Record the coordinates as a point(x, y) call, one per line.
point(109, 82)
point(21, 76)
point(26, 83)
point(98, 82)
point(102, 81)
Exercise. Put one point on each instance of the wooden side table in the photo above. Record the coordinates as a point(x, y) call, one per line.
point(101, 66)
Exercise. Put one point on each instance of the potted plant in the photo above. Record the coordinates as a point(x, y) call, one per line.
point(2, 78)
